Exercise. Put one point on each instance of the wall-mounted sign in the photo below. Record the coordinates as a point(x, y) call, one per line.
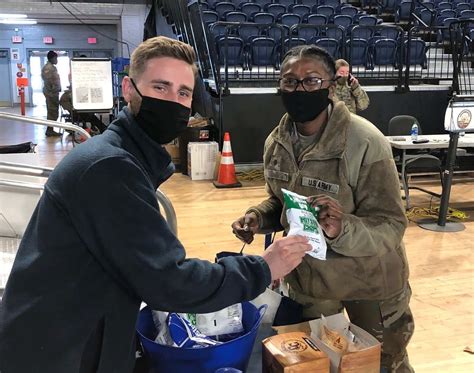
point(15, 54)
point(21, 82)
point(17, 39)
point(47, 39)
point(92, 40)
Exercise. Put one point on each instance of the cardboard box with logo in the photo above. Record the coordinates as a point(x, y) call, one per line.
point(281, 353)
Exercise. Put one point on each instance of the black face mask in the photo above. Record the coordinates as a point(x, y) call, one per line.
point(304, 106)
point(162, 120)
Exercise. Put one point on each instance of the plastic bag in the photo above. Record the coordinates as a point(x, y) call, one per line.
point(302, 218)
point(222, 325)
point(185, 334)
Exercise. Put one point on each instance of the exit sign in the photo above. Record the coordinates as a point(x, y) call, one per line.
point(17, 39)
point(92, 40)
point(48, 40)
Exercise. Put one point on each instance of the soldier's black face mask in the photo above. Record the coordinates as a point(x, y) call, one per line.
point(162, 120)
point(304, 106)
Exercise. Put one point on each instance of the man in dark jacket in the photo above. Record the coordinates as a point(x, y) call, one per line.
point(88, 260)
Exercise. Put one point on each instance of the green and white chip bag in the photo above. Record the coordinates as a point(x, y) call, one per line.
point(302, 218)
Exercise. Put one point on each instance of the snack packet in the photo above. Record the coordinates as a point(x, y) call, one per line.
point(302, 218)
point(186, 335)
point(222, 325)
point(160, 319)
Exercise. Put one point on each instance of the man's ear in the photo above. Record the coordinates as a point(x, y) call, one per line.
point(332, 90)
point(127, 89)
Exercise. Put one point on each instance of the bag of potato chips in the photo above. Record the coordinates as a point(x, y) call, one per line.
point(302, 218)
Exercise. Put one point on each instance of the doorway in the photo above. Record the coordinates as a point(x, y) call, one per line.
point(5, 77)
point(37, 59)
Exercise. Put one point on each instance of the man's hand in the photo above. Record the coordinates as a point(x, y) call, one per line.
point(354, 81)
point(245, 227)
point(285, 254)
point(330, 214)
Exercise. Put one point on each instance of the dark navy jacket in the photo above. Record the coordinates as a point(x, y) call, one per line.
point(96, 246)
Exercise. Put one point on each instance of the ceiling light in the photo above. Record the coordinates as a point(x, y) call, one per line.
point(18, 21)
point(14, 16)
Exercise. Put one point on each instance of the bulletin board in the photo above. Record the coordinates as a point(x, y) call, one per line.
point(91, 84)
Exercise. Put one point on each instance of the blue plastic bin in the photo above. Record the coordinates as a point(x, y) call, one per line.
point(235, 353)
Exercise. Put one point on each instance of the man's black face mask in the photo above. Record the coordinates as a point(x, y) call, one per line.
point(304, 106)
point(162, 120)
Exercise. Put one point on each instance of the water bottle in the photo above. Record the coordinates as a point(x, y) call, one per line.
point(414, 132)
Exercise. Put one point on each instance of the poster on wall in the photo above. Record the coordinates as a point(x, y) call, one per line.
point(91, 84)
point(459, 116)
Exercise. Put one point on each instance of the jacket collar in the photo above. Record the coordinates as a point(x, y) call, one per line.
point(333, 139)
point(151, 155)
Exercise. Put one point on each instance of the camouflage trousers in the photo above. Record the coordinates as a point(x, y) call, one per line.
point(390, 321)
point(52, 105)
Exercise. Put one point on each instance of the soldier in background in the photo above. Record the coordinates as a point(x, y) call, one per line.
point(348, 89)
point(51, 89)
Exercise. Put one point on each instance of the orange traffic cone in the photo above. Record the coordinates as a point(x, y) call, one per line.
point(226, 176)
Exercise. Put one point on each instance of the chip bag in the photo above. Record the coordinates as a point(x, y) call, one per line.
point(302, 218)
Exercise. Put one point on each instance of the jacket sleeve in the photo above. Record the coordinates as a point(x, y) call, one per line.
point(117, 215)
point(378, 223)
point(361, 98)
point(268, 213)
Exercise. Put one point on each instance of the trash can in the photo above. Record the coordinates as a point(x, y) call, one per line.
point(232, 354)
point(193, 134)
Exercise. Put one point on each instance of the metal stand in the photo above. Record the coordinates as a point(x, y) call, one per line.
point(441, 225)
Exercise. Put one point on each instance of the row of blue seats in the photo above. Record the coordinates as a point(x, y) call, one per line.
point(265, 51)
point(212, 3)
point(392, 6)
point(430, 10)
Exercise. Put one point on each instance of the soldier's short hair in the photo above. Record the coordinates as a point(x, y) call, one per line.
point(51, 55)
point(341, 63)
point(160, 46)
point(311, 51)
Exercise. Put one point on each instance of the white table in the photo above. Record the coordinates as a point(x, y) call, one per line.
point(441, 141)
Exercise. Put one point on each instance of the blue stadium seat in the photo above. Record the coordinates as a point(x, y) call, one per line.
point(327, 10)
point(444, 5)
point(204, 6)
point(301, 10)
point(248, 32)
point(236, 17)
point(223, 8)
point(307, 33)
point(262, 52)
point(238, 3)
point(208, 16)
point(212, 3)
point(418, 51)
point(287, 3)
point(466, 14)
point(388, 32)
point(462, 6)
point(218, 30)
point(276, 9)
point(367, 20)
point(292, 42)
point(349, 10)
point(310, 3)
point(443, 33)
point(263, 18)
point(426, 16)
point(336, 32)
point(232, 49)
point(277, 33)
point(384, 52)
point(330, 44)
point(250, 9)
point(362, 32)
point(334, 3)
point(389, 6)
point(403, 11)
point(343, 20)
point(317, 19)
point(357, 52)
point(262, 3)
point(290, 19)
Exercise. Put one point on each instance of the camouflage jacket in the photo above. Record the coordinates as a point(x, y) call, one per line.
point(354, 97)
point(352, 162)
point(51, 81)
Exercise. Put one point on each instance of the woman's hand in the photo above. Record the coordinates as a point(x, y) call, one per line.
point(330, 214)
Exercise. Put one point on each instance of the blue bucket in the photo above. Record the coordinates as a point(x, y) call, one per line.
point(235, 353)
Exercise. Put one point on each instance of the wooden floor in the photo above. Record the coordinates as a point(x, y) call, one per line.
point(442, 275)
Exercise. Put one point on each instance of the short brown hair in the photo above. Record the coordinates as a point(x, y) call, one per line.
point(340, 63)
point(160, 46)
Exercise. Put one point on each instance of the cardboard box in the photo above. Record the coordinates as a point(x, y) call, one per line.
point(292, 353)
point(365, 360)
point(202, 160)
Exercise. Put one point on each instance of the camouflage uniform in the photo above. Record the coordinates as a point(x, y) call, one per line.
point(354, 96)
point(366, 270)
point(51, 89)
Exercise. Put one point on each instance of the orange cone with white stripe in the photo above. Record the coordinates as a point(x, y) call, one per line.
point(226, 176)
